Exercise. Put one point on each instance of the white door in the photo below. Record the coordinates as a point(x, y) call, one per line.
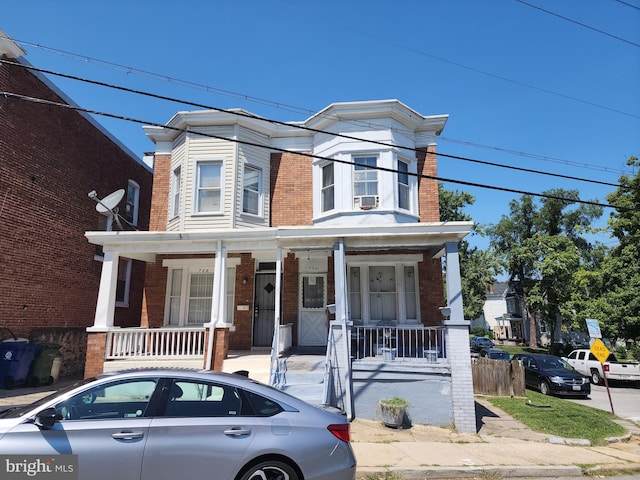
point(314, 324)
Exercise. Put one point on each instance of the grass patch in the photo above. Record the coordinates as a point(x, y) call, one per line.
point(563, 418)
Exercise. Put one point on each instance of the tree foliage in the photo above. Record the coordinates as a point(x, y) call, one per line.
point(542, 247)
point(610, 291)
point(478, 268)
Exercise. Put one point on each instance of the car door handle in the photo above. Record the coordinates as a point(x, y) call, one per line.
point(130, 435)
point(236, 432)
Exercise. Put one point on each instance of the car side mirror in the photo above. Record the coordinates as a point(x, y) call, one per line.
point(47, 418)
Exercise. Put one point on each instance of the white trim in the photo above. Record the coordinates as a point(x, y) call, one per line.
point(136, 201)
point(406, 259)
point(196, 262)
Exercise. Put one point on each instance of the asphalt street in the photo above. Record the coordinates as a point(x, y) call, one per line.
point(625, 397)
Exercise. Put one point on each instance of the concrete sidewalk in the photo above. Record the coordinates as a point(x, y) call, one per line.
point(501, 448)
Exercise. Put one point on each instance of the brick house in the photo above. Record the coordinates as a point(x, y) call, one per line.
point(261, 230)
point(50, 158)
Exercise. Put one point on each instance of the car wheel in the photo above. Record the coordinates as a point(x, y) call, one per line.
point(596, 379)
point(270, 470)
point(544, 387)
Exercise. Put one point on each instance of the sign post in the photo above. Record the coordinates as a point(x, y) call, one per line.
point(600, 351)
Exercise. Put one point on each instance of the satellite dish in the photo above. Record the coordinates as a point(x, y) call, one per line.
point(111, 201)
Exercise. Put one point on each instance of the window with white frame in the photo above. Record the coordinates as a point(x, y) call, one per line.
point(176, 178)
point(124, 282)
point(383, 292)
point(251, 190)
point(365, 182)
point(328, 188)
point(209, 187)
point(190, 295)
point(133, 202)
point(404, 200)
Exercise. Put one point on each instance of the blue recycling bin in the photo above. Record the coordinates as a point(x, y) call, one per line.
point(15, 361)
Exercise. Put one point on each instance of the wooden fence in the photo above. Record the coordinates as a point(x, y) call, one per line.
point(497, 378)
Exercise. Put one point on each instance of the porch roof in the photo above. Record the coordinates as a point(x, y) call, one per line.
point(146, 245)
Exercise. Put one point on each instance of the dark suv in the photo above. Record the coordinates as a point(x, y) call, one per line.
point(480, 343)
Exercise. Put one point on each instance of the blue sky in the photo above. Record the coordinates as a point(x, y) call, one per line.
point(514, 79)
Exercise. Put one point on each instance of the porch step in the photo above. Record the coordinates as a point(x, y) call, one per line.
point(303, 377)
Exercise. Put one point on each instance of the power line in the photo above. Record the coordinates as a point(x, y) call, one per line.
point(283, 106)
point(539, 157)
point(628, 4)
point(302, 127)
point(578, 23)
point(302, 154)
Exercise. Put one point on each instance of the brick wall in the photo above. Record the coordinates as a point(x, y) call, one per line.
point(51, 158)
point(244, 295)
point(428, 201)
point(291, 190)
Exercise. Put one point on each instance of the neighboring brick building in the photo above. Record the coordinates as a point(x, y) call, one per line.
point(50, 159)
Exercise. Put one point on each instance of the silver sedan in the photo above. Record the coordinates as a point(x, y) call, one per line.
point(172, 424)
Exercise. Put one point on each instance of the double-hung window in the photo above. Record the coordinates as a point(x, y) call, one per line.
point(381, 292)
point(209, 187)
point(365, 182)
point(327, 196)
point(133, 201)
point(190, 295)
point(403, 185)
point(251, 190)
point(175, 191)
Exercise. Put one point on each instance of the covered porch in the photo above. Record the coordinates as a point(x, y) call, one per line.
point(366, 293)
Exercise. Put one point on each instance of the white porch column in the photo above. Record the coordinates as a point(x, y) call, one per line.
point(218, 297)
point(106, 305)
point(457, 344)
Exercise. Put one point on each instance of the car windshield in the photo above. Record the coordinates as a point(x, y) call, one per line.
point(552, 363)
point(18, 411)
point(499, 355)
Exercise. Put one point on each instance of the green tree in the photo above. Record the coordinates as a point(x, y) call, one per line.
point(541, 247)
point(610, 292)
point(478, 268)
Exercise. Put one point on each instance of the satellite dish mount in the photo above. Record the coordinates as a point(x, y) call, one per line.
point(109, 205)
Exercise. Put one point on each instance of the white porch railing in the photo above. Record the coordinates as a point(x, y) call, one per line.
point(399, 342)
point(126, 343)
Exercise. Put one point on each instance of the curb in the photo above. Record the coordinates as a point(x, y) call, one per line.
point(529, 471)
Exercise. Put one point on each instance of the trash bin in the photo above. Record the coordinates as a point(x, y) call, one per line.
point(41, 367)
point(15, 361)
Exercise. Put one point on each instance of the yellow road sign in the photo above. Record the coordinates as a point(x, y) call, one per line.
point(600, 350)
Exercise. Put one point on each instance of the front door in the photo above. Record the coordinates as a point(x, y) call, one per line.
point(264, 309)
point(314, 324)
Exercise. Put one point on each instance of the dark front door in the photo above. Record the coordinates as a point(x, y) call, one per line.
point(264, 309)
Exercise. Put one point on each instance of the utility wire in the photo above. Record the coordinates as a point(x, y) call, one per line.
point(578, 23)
point(186, 83)
point(628, 4)
point(302, 127)
point(302, 154)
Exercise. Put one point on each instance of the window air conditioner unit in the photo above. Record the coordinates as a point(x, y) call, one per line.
point(367, 202)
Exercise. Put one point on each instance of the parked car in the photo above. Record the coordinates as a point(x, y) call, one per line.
point(161, 424)
point(478, 343)
point(495, 354)
point(586, 363)
point(551, 375)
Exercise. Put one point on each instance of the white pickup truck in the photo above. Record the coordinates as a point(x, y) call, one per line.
point(586, 363)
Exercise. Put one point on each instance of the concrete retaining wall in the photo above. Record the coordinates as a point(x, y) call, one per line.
point(426, 388)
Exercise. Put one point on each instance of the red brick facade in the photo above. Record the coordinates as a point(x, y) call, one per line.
point(291, 190)
point(51, 158)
